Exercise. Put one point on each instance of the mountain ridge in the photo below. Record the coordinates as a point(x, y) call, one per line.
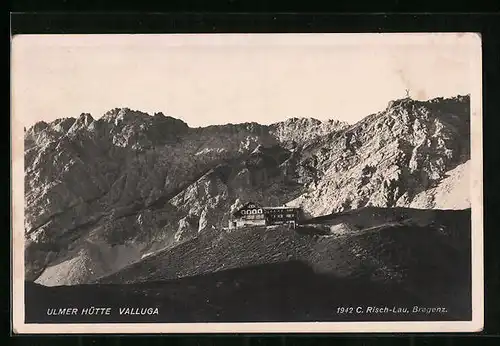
point(135, 183)
point(43, 123)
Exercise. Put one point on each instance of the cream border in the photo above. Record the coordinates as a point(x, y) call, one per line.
point(17, 161)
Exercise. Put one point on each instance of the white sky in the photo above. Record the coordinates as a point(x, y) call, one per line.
point(216, 79)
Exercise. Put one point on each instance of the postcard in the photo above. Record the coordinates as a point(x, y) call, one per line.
point(256, 183)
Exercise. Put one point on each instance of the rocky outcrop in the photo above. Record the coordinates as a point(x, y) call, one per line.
point(129, 180)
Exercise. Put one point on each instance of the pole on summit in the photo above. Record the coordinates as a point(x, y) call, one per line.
point(407, 93)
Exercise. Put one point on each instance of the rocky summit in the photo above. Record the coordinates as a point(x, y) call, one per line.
point(105, 194)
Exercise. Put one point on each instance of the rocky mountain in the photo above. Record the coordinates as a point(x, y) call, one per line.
point(388, 158)
point(102, 194)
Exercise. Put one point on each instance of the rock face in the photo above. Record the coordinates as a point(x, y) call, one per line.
point(388, 158)
point(101, 194)
point(300, 131)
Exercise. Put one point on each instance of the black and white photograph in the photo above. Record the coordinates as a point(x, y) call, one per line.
point(177, 183)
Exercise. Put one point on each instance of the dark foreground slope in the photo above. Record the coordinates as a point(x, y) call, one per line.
point(415, 258)
point(289, 291)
